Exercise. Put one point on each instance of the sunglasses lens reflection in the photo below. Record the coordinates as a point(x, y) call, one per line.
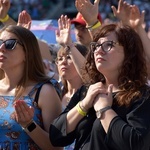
point(10, 44)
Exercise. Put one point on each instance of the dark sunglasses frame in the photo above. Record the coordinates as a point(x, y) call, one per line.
point(10, 44)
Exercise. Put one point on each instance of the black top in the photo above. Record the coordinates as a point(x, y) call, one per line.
point(130, 130)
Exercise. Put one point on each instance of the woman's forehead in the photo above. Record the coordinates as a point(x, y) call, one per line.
point(111, 36)
point(62, 53)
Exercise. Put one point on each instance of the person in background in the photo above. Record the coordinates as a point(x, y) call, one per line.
point(29, 101)
point(69, 77)
point(82, 27)
point(82, 34)
point(112, 110)
point(64, 28)
point(68, 68)
point(63, 38)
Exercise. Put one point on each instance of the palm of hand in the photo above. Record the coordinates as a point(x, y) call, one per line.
point(135, 20)
point(62, 38)
point(4, 8)
point(25, 25)
point(135, 23)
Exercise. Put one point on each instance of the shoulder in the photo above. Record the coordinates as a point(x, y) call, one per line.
point(50, 87)
point(48, 96)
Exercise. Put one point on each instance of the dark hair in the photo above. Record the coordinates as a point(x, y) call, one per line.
point(33, 69)
point(133, 73)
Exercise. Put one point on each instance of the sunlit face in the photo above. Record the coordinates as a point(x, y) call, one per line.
point(82, 35)
point(11, 58)
point(108, 55)
point(66, 67)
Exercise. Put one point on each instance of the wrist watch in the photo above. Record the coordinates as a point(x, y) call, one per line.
point(30, 127)
point(101, 111)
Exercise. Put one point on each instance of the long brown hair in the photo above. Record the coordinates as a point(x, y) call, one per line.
point(133, 73)
point(33, 69)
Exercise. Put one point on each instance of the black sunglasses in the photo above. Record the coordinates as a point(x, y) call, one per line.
point(10, 44)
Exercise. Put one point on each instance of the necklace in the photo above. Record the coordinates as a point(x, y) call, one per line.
point(68, 99)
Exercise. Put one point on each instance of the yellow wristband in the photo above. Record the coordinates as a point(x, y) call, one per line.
point(94, 26)
point(80, 111)
point(5, 19)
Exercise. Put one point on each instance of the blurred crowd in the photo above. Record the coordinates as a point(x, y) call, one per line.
point(37, 8)
point(40, 9)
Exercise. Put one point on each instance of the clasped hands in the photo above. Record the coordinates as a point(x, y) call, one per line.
point(98, 96)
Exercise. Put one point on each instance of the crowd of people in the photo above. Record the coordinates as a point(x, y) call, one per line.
point(39, 9)
point(98, 96)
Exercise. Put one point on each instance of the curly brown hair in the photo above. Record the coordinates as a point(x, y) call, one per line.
point(133, 73)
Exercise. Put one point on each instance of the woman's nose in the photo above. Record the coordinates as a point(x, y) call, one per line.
point(2, 47)
point(100, 50)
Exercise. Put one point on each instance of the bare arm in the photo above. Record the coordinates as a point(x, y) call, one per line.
point(63, 37)
point(24, 19)
point(73, 116)
point(4, 8)
point(50, 106)
point(136, 21)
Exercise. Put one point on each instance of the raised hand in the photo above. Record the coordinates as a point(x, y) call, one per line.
point(63, 34)
point(24, 20)
point(122, 12)
point(88, 10)
point(128, 14)
point(136, 18)
point(4, 8)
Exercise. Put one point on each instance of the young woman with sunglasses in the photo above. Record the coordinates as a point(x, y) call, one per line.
point(28, 99)
point(112, 110)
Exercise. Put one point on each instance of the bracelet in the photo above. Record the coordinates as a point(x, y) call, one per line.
point(81, 106)
point(5, 19)
point(94, 26)
point(68, 47)
point(80, 111)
